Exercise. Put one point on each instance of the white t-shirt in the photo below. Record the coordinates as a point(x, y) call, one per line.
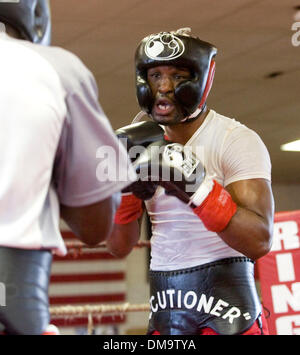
point(230, 151)
point(51, 127)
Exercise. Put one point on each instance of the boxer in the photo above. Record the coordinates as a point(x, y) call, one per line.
point(51, 128)
point(207, 190)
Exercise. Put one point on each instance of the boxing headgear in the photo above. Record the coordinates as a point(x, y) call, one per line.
point(177, 49)
point(30, 17)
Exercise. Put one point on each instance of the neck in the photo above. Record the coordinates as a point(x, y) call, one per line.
point(182, 132)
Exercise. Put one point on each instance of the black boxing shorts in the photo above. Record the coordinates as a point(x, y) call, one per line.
point(220, 295)
point(24, 277)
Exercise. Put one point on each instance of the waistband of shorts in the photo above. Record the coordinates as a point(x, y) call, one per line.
point(225, 261)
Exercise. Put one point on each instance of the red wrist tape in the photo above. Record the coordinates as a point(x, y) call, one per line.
point(217, 209)
point(129, 210)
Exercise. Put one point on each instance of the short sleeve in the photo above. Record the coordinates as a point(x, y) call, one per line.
point(245, 156)
point(90, 163)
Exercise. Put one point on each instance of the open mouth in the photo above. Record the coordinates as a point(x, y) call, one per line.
point(163, 107)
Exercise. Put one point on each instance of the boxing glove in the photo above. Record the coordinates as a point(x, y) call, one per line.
point(175, 167)
point(135, 138)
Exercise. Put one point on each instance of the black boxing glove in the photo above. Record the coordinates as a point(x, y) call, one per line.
point(172, 166)
point(136, 137)
point(175, 167)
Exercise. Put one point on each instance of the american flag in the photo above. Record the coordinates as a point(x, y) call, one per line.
point(90, 277)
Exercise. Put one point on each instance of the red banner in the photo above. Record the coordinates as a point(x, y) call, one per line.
point(279, 276)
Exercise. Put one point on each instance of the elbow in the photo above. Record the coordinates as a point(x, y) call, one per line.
point(266, 247)
point(92, 224)
point(263, 247)
point(91, 239)
point(267, 241)
point(118, 250)
point(260, 252)
point(118, 253)
point(99, 226)
point(95, 234)
point(123, 239)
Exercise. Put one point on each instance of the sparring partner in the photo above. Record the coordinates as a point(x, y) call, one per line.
point(207, 189)
point(51, 128)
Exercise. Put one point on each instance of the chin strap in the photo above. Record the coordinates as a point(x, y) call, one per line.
point(2, 27)
point(194, 115)
point(139, 117)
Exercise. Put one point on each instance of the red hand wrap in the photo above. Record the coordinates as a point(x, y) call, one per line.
point(217, 209)
point(129, 210)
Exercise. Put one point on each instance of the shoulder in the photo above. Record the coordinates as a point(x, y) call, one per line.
point(234, 130)
point(240, 142)
point(226, 123)
point(72, 72)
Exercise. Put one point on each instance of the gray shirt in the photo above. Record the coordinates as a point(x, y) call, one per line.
point(64, 132)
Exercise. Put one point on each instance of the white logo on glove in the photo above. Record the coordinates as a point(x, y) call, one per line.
point(181, 157)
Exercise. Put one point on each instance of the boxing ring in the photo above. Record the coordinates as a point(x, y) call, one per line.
point(277, 276)
point(94, 313)
point(90, 311)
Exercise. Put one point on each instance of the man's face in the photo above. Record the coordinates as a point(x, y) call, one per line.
point(163, 80)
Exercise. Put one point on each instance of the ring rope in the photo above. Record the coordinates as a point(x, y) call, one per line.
point(87, 310)
point(95, 310)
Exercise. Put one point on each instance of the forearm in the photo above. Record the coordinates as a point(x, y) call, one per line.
point(242, 215)
point(250, 230)
point(123, 238)
point(248, 233)
point(126, 230)
point(92, 224)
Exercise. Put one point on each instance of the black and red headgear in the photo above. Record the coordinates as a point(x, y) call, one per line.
point(178, 49)
point(30, 17)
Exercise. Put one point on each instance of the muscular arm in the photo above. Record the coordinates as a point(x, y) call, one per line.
point(250, 229)
point(92, 224)
point(123, 238)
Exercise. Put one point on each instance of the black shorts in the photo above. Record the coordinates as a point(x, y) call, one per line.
point(220, 295)
point(24, 276)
